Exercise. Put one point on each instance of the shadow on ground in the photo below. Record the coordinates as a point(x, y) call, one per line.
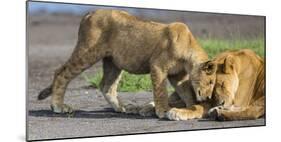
point(98, 114)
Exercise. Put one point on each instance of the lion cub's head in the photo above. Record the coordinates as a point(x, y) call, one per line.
point(216, 79)
point(203, 79)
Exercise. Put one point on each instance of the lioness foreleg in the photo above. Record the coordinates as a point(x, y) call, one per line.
point(192, 112)
point(232, 112)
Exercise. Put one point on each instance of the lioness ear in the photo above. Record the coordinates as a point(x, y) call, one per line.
point(210, 67)
point(228, 65)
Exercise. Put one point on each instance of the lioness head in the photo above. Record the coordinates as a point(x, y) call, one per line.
point(226, 82)
point(203, 79)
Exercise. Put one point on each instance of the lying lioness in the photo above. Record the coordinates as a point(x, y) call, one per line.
point(124, 42)
point(238, 92)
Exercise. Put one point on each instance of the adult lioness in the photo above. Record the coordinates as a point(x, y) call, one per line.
point(239, 88)
point(124, 42)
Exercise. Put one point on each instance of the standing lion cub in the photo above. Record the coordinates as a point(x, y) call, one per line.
point(124, 42)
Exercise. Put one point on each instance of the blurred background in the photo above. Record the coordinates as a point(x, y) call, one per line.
point(204, 25)
point(57, 23)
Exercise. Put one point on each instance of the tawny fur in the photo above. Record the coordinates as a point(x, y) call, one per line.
point(124, 42)
point(239, 89)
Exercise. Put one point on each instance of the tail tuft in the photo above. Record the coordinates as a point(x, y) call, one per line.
point(45, 93)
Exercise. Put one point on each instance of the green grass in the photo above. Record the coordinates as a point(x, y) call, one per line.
point(135, 83)
point(214, 46)
point(128, 83)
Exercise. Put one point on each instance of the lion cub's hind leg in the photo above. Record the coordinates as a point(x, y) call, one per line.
point(86, 53)
point(109, 84)
point(78, 62)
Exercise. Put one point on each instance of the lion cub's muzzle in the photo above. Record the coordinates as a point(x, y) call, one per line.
point(200, 97)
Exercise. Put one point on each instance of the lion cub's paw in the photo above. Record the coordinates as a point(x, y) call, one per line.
point(119, 108)
point(148, 110)
point(160, 113)
point(61, 108)
point(175, 114)
point(131, 109)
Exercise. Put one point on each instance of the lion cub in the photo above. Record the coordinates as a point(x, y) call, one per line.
point(124, 42)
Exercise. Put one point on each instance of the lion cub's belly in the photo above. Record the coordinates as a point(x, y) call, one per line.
point(136, 65)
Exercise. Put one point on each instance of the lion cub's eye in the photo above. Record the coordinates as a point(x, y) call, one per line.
point(222, 85)
point(211, 82)
point(195, 82)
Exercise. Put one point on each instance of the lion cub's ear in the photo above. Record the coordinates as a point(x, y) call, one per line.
point(210, 67)
point(229, 64)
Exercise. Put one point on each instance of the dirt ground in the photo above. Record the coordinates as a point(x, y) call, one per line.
point(51, 39)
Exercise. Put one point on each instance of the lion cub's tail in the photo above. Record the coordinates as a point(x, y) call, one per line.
point(45, 93)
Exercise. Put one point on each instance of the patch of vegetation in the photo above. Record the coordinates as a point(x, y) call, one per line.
point(128, 83)
point(215, 46)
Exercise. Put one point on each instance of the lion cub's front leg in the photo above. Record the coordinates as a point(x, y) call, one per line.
point(158, 76)
point(173, 100)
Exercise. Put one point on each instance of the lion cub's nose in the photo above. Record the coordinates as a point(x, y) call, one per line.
point(199, 93)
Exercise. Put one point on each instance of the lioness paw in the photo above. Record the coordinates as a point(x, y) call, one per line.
point(215, 113)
